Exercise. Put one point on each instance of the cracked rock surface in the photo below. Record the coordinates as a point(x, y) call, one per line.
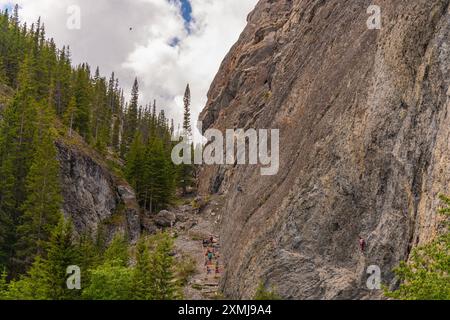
point(364, 143)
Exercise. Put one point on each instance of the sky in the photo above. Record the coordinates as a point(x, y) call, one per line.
point(164, 43)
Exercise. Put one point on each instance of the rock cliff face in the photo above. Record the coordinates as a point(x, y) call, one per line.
point(93, 196)
point(364, 143)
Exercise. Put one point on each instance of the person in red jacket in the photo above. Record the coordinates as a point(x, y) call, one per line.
point(362, 244)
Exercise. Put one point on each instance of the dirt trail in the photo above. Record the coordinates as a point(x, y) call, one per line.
point(201, 286)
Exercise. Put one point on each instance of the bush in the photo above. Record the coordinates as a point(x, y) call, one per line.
point(262, 293)
point(186, 267)
point(425, 276)
point(110, 281)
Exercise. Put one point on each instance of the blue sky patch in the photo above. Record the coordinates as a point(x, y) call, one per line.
point(8, 6)
point(186, 10)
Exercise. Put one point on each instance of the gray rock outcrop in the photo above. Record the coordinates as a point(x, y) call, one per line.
point(364, 119)
point(93, 196)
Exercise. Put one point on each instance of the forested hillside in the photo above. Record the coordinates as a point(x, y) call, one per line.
point(41, 92)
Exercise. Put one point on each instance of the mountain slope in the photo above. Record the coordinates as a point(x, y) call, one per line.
point(364, 143)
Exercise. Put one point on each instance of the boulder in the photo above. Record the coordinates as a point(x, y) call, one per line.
point(165, 219)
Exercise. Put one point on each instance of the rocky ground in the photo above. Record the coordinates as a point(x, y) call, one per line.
point(193, 222)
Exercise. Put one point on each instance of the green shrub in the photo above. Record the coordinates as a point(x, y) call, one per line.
point(262, 293)
point(425, 276)
point(186, 267)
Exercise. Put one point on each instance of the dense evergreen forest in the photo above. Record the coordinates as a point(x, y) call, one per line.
point(36, 243)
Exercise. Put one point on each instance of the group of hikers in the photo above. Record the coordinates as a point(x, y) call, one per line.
point(211, 246)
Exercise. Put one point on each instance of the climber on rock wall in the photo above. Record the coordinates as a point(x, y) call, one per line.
point(362, 244)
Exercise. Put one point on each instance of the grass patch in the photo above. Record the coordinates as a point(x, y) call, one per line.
point(118, 217)
point(115, 168)
point(196, 286)
point(268, 95)
point(200, 204)
point(219, 296)
point(197, 236)
point(185, 268)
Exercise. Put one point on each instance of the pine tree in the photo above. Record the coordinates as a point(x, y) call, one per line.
point(3, 285)
point(113, 279)
point(89, 255)
point(17, 137)
point(135, 162)
point(2, 73)
point(63, 82)
point(61, 254)
point(101, 114)
point(187, 128)
point(172, 128)
point(69, 115)
point(7, 211)
point(117, 252)
point(15, 16)
point(142, 279)
point(82, 93)
point(186, 171)
point(32, 286)
point(132, 116)
point(46, 279)
point(116, 133)
point(157, 185)
point(42, 207)
point(110, 282)
point(163, 279)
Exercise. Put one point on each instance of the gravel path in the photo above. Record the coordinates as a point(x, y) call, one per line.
point(201, 286)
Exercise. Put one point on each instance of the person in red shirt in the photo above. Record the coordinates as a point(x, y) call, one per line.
point(362, 244)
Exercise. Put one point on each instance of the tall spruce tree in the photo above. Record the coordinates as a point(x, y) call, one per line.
point(2, 73)
point(82, 93)
point(142, 277)
point(187, 128)
point(131, 125)
point(117, 252)
point(69, 115)
point(134, 169)
point(46, 279)
point(185, 171)
point(157, 186)
point(3, 284)
point(61, 254)
point(42, 207)
point(163, 279)
point(17, 146)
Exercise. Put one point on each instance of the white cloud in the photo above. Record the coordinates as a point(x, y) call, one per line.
point(163, 70)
